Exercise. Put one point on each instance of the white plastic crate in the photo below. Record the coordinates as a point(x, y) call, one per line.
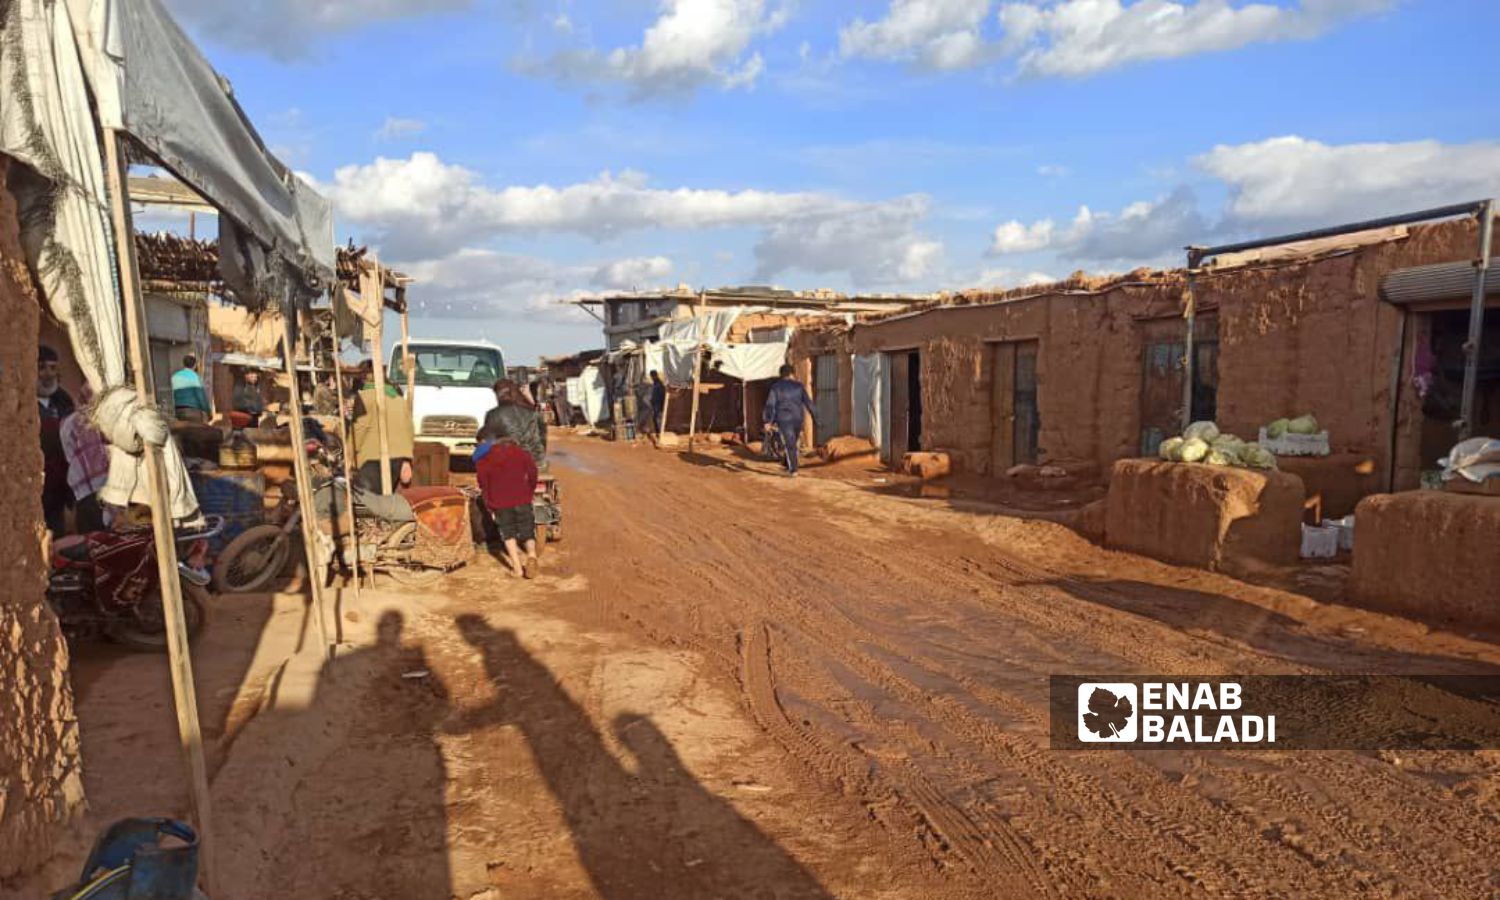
point(1296, 444)
point(1319, 542)
point(1345, 529)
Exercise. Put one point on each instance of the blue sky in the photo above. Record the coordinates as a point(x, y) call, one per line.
point(511, 153)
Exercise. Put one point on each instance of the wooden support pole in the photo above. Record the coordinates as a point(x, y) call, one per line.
point(372, 288)
point(697, 374)
point(409, 365)
point(179, 658)
point(303, 474)
point(338, 387)
point(666, 404)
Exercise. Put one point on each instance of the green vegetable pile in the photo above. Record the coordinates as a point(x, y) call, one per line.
point(1204, 442)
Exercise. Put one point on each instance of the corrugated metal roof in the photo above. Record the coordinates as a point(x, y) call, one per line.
point(1440, 282)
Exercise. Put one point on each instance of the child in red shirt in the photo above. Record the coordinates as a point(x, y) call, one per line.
point(507, 479)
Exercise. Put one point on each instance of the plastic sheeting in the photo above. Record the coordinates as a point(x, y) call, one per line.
point(1476, 460)
point(866, 381)
point(750, 362)
point(708, 327)
point(152, 82)
point(46, 122)
point(591, 394)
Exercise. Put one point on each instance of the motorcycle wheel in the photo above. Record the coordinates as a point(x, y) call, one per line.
point(147, 631)
point(414, 577)
point(252, 559)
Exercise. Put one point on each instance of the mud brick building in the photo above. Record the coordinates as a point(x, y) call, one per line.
point(1364, 330)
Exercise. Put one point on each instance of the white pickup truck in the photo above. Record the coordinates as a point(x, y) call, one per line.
point(454, 382)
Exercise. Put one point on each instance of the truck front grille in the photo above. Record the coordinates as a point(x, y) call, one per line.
point(449, 426)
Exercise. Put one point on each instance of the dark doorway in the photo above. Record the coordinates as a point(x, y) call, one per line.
point(1015, 419)
point(906, 403)
point(1438, 368)
point(1164, 347)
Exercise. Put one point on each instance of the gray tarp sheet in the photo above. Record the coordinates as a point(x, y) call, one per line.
point(151, 81)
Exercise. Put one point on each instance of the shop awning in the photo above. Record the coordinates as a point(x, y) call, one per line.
point(1442, 282)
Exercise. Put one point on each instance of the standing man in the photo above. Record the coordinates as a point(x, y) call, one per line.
point(247, 398)
point(650, 398)
point(54, 405)
point(88, 466)
point(785, 404)
point(364, 433)
point(188, 394)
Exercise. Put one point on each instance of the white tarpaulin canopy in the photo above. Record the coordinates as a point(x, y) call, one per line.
point(46, 123)
point(750, 362)
point(590, 395)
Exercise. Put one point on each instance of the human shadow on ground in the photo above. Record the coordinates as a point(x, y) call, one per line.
point(1264, 630)
point(344, 790)
point(649, 833)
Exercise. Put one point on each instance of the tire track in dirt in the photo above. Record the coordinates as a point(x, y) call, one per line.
point(837, 593)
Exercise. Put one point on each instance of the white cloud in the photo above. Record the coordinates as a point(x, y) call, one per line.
point(289, 29)
point(422, 207)
point(630, 274)
point(1003, 278)
point(876, 244)
point(1296, 182)
point(940, 34)
point(395, 128)
point(1053, 171)
point(692, 44)
point(472, 283)
point(1146, 232)
point(1076, 38)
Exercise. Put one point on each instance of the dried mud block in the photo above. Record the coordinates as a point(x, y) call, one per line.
point(927, 465)
point(846, 446)
point(1341, 480)
point(1430, 555)
point(1213, 517)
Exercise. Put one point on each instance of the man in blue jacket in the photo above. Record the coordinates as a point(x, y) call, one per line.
point(784, 407)
point(187, 392)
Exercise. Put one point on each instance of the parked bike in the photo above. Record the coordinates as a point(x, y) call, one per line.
point(106, 583)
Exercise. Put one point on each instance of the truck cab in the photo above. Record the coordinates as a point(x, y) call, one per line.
point(453, 388)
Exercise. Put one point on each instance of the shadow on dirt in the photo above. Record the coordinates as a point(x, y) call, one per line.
point(648, 833)
point(1262, 629)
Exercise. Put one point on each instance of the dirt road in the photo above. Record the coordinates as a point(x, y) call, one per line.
point(735, 684)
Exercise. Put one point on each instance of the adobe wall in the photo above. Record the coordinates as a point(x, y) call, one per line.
point(1088, 369)
point(41, 788)
point(1316, 337)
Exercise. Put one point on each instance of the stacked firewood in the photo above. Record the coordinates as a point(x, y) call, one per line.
point(171, 258)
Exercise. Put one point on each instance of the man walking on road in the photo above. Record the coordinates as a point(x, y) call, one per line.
point(784, 407)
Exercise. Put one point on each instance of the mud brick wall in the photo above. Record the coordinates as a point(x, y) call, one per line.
point(41, 788)
point(1088, 369)
point(1431, 555)
point(1316, 337)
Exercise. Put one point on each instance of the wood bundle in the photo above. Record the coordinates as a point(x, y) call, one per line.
point(171, 259)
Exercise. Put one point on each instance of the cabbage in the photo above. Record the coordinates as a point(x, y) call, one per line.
point(1204, 431)
point(1277, 428)
point(1303, 425)
point(1218, 457)
point(1257, 457)
point(1193, 449)
point(1227, 442)
point(1171, 449)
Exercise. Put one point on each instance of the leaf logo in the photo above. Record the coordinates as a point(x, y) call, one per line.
point(1107, 712)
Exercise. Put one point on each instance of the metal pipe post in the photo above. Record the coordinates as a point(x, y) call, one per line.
point(1476, 321)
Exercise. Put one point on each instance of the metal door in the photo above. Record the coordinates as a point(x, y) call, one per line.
point(826, 397)
point(900, 406)
point(1015, 420)
point(1028, 414)
point(1164, 347)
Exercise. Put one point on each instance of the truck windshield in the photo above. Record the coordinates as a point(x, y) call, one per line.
point(450, 366)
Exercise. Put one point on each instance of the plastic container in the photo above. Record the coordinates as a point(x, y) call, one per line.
point(1319, 542)
point(1296, 444)
point(240, 497)
point(1345, 529)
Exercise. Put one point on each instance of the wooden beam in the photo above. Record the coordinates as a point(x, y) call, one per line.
point(372, 281)
point(408, 365)
point(697, 378)
point(179, 657)
point(303, 474)
point(338, 387)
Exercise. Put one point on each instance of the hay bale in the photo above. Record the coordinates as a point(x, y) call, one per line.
point(1213, 517)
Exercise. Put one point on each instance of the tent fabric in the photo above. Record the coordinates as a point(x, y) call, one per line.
point(590, 394)
point(151, 81)
point(46, 122)
point(880, 407)
point(708, 327)
point(866, 380)
point(677, 362)
point(750, 362)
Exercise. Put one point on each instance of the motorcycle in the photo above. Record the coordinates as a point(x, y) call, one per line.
point(106, 583)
